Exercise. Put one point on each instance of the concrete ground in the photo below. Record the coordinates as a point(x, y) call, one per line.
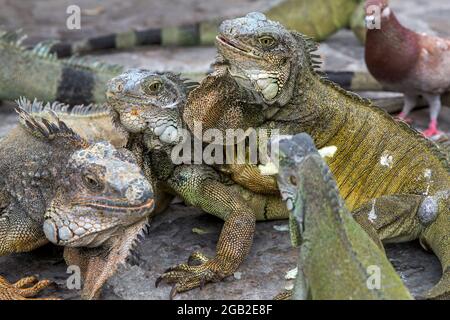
point(172, 237)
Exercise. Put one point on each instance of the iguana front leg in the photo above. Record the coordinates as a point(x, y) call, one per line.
point(203, 187)
point(19, 235)
point(18, 231)
point(23, 289)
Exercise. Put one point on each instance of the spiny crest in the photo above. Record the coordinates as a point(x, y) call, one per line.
point(83, 63)
point(132, 255)
point(185, 83)
point(43, 50)
point(13, 38)
point(310, 46)
point(189, 84)
point(49, 130)
point(332, 190)
point(38, 108)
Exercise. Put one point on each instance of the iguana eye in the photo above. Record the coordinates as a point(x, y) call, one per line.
point(92, 183)
point(119, 87)
point(153, 87)
point(267, 41)
point(293, 180)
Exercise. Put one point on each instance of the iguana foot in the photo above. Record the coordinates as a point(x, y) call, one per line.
point(285, 295)
point(186, 276)
point(441, 291)
point(23, 289)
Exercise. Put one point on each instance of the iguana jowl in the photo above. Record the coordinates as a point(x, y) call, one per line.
point(336, 254)
point(148, 106)
point(394, 180)
point(57, 186)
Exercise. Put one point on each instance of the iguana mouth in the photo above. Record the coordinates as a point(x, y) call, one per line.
point(223, 41)
point(117, 207)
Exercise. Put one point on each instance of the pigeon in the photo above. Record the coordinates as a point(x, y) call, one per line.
point(415, 64)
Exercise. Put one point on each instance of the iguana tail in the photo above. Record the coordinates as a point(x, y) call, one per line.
point(201, 33)
point(37, 73)
point(306, 16)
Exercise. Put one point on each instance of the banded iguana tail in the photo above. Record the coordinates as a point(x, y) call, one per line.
point(396, 182)
point(58, 187)
point(76, 81)
point(39, 74)
point(336, 254)
point(318, 19)
point(149, 105)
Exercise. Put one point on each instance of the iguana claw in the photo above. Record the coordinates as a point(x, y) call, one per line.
point(24, 289)
point(186, 277)
point(285, 295)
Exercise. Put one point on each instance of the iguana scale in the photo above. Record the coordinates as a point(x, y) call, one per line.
point(58, 187)
point(336, 255)
point(39, 74)
point(148, 106)
point(395, 181)
point(318, 19)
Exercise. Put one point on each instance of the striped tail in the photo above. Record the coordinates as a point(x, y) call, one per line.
point(202, 33)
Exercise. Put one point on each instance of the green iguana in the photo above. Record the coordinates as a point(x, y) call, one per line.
point(148, 106)
point(395, 181)
point(336, 254)
point(58, 187)
point(76, 81)
point(39, 74)
point(318, 19)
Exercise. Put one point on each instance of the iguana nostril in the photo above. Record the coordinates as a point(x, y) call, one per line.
point(139, 191)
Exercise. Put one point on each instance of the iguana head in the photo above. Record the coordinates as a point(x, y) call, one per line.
point(143, 99)
point(92, 190)
point(102, 191)
point(291, 152)
point(261, 55)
